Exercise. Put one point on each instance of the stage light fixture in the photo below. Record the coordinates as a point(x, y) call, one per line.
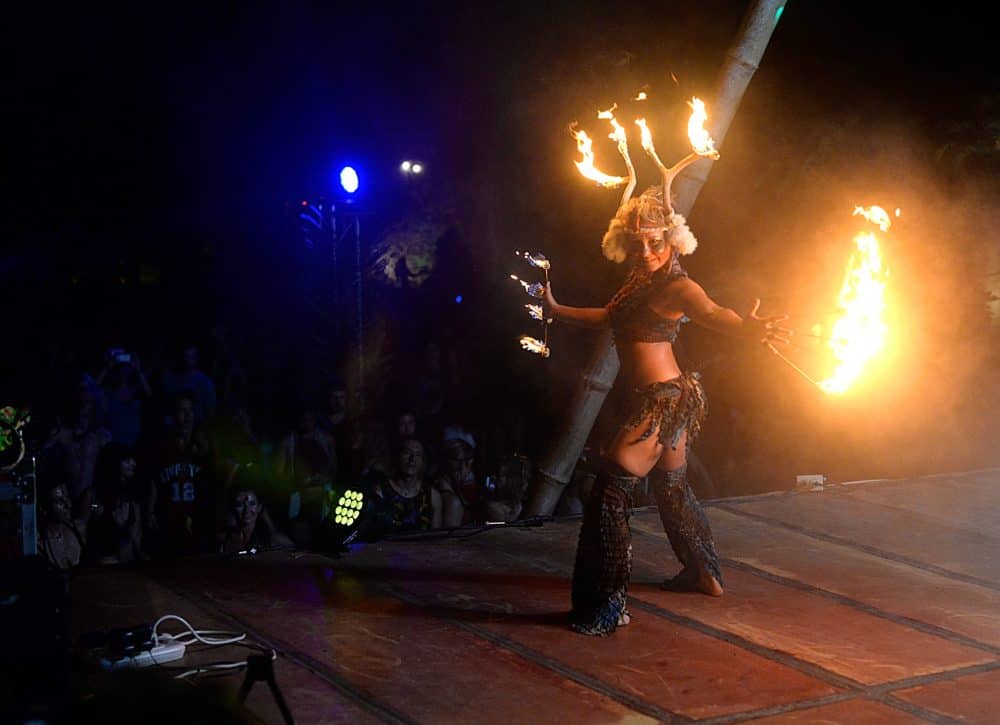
point(411, 168)
point(349, 181)
point(346, 517)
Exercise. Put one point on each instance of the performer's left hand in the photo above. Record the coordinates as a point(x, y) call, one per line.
point(766, 329)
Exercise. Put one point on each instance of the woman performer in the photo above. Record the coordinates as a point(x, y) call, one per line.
point(666, 410)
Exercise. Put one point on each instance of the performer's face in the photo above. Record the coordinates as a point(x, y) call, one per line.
point(652, 249)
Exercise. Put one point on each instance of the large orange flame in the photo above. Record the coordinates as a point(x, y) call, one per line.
point(859, 333)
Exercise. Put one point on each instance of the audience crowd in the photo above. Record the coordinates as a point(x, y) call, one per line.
point(139, 462)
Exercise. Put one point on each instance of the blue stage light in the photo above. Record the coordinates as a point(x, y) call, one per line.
point(458, 299)
point(349, 179)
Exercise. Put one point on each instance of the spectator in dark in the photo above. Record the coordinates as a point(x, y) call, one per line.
point(249, 526)
point(189, 378)
point(306, 467)
point(505, 492)
point(115, 528)
point(181, 501)
point(307, 456)
point(336, 421)
point(369, 451)
point(126, 389)
point(462, 495)
point(76, 440)
point(404, 501)
point(62, 539)
point(407, 426)
point(235, 445)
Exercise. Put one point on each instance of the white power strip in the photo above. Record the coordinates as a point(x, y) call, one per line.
point(168, 651)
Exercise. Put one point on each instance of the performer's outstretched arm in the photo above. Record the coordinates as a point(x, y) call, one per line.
point(582, 316)
point(698, 306)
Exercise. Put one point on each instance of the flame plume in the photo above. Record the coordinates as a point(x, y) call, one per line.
point(859, 333)
point(876, 215)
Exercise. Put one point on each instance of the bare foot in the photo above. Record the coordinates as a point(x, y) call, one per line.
point(624, 618)
point(694, 581)
point(708, 584)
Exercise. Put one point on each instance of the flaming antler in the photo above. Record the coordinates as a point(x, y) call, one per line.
point(701, 142)
point(618, 136)
point(700, 139)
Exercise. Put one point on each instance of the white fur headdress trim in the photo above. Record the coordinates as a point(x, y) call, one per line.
point(680, 236)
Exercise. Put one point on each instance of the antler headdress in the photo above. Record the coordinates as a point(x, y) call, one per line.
point(651, 210)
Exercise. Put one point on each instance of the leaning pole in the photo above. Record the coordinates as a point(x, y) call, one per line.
point(555, 468)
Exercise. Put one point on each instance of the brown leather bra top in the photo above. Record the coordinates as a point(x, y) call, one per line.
point(632, 319)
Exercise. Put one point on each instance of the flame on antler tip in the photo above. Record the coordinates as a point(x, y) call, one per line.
point(585, 145)
point(642, 96)
point(700, 138)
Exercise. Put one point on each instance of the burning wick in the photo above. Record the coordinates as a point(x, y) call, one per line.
point(536, 260)
point(535, 289)
point(536, 346)
point(537, 312)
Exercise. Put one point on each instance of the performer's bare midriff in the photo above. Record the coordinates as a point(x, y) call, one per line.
point(645, 363)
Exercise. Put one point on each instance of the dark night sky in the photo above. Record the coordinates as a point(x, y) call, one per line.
point(189, 114)
point(172, 134)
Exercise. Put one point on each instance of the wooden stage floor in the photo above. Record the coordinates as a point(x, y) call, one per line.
point(873, 602)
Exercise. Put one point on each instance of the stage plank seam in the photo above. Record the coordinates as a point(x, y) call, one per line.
point(853, 689)
point(877, 693)
point(546, 662)
point(874, 551)
point(857, 690)
point(846, 494)
point(874, 611)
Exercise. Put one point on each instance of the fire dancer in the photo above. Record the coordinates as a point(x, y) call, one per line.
point(666, 407)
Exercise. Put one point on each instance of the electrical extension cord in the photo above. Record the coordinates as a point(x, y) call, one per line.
point(168, 651)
